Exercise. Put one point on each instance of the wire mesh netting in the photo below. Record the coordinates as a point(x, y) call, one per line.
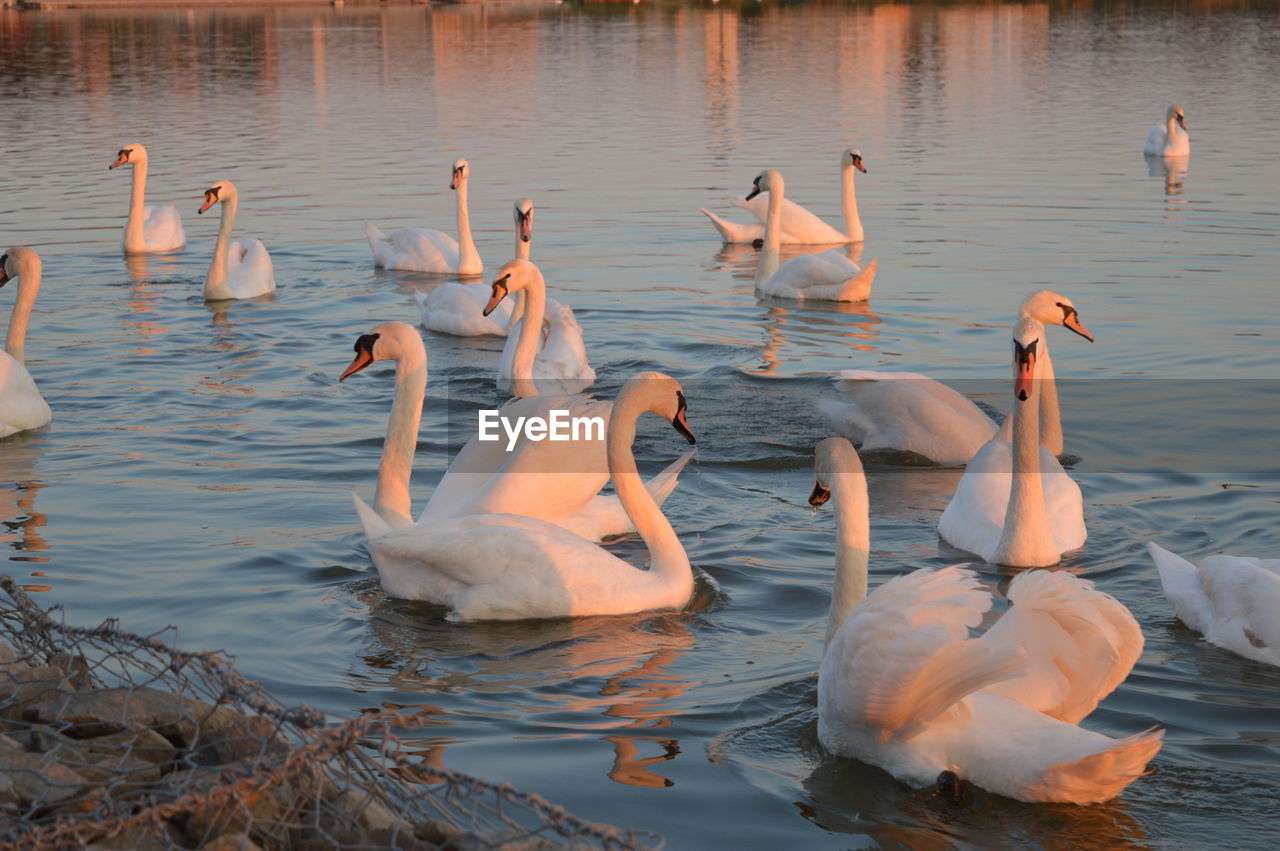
point(118, 740)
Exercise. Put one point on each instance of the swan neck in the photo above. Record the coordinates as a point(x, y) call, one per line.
point(392, 496)
point(468, 256)
point(667, 558)
point(772, 238)
point(535, 308)
point(1026, 535)
point(215, 285)
point(15, 342)
point(134, 235)
point(849, 200)
point(1050, 413)
point(853, 547)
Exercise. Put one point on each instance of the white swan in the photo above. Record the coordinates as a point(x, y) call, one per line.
point(798, 225)
point(1015, 505)
point(507, 566)
point(903, 685)
point(240, 268)
point(1233, 601)
point(457, 309)
point(909, 412)
point(21, 405)
point(829, 276)
point(149, 229)
point(429, 250)
point(546, 344)
point(1169, 139)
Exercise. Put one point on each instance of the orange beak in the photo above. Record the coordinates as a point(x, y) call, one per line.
point(210, 198)
point(1024, 376)
point(524, 229)
point(821, 493)
point(362, 359)
point(1073, 322)
point(121, 159)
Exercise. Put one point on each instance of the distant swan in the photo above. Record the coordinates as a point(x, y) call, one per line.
point(546, 345)
point(240, 268)
point(429, 250)
point(1015, 505)
point(1169, 139)
point(457, 309)
point(1233, 601)
point(903, 685)
point(798, 225)
point(507, 566)
point(149, 229)
point(829, 276)
point(909, 412)
point(21, 405)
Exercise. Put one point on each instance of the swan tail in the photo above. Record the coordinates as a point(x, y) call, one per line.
point(374, 525)
point(1100, 776)
point(1181, 583)
point(375, 236)
point(661, 485)
point(730, 232)
point(858, 288)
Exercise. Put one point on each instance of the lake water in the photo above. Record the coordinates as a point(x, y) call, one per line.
point(198, 468)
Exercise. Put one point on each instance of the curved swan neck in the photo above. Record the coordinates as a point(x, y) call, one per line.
point(215, 285)
point(468, 256)
point(30, 270)
point(1026, 538)
point(134, 235)
point(853, 546)
point(667, 558)
point(849, 200)
point(772, 236)
point(396, 466)
point(1050, 412)
point(535, 308)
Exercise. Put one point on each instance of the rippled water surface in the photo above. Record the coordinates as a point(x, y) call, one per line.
point(198, 467)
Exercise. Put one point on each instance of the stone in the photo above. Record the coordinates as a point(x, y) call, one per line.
point(135, 839)
point(226, 736)
point(87, 715)
point(21, 685)
point(40, 778)
point(232, 842)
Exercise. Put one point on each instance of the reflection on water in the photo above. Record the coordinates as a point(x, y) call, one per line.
point(1172, 169)
point(200, 463)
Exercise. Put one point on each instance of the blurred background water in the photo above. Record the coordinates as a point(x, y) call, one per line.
point(198, 467)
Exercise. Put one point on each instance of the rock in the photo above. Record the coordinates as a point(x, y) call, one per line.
point(231, 842)
point(87, 715)
point(255, 813)
point(40, 778)
point(146, 745)
point(136, 839)
point(115, 765)
point(21, 685)
point(226, 736)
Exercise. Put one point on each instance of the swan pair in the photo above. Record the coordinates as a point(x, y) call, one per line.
point(829, 276)
point(429, 250)
point(240, 268)
point(908, 412)
point(796, 225)
point(1169, 139)
point(514, 558)
point(21, 406)
point(903, 685)
point(457, 309)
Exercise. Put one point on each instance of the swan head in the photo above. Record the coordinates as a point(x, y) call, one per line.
point(1050, 308)
point(218, 193)
point(523, 214)
point(853, 157)
point(833, 456)
point(461, 171)
point(1175, 112)
point(514, 276)
point(388, 341)
point(133, 154)
point(766, 181)
point(17, 261)
point(1026, 345)
point(659, 394)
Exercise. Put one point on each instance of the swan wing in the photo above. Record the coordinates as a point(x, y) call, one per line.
point(733, 233)
point(162, 228)
point(414, 250)
point(807, 274)
point(603, 515)
point(799, 226)
point(21, 405)
point(457, 309)
point(903, 657)
point(563, 354)
point(249, 269)
point(1080, 643)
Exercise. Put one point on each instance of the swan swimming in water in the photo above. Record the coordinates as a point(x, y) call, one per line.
point(507, 566)
point(427, 249)
point(798, 225)
point(903, 686)
point(149, 229)
point(545, 346)
point(240, 268)
point(1169, 139)
point(21, 406)
point(829, 276)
